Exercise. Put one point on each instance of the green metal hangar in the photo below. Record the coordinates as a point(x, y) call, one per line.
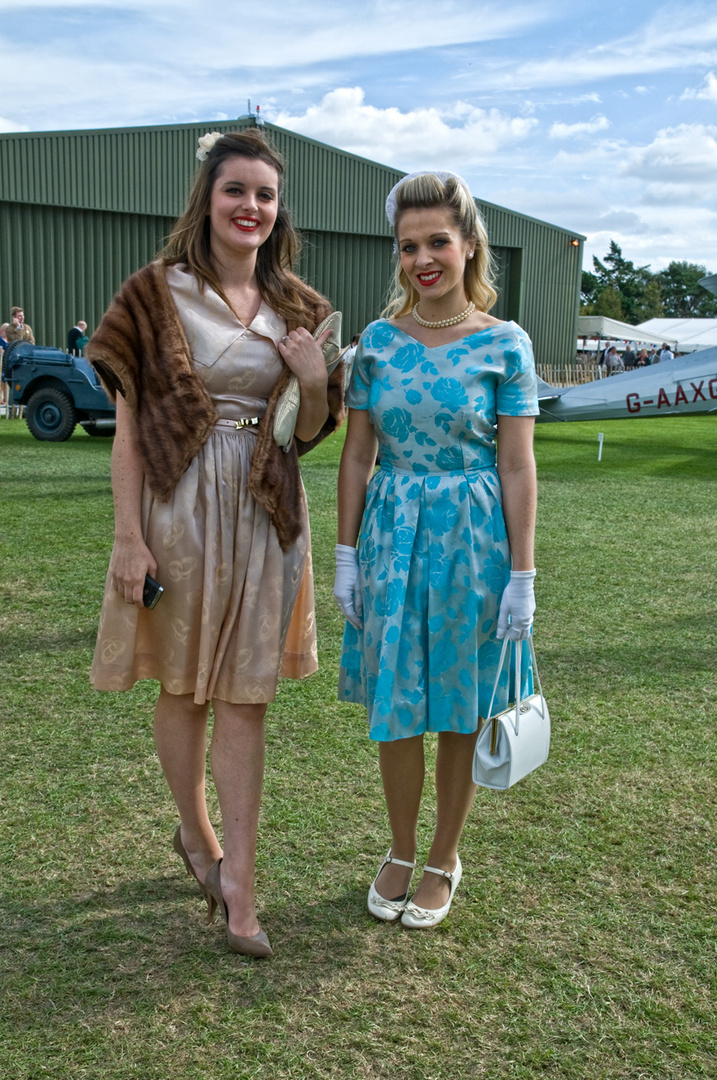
point(81, 210)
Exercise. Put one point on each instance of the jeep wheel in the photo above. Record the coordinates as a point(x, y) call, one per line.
point(51, 415)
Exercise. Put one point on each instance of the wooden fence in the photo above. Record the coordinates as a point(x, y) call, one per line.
point(568, 374)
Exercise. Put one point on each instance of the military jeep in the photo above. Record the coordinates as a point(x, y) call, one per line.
point(58, 391)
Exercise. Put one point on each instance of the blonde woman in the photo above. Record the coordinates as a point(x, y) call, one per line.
point(446, 394)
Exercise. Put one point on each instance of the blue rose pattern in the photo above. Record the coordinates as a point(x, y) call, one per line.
point(433, 549)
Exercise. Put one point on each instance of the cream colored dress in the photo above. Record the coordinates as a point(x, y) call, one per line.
point(234, 604)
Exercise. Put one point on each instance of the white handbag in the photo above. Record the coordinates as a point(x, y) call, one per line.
point(287, 407)
point(515, 742)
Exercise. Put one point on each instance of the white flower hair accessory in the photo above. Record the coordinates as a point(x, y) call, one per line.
point(391, 201)
point(206, 142)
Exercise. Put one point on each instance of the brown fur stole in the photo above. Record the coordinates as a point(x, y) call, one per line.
point(140, 351)
point(274, 480)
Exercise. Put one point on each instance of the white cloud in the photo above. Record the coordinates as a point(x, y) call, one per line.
point(622, 221)
point(10, 125)
point(19, 6)
point(283, 34)
point(675, 37)
point(707, 92)
point(172, 60)
point(588, 127)
point(685, 154)
point(671, 196)
point(428, 137)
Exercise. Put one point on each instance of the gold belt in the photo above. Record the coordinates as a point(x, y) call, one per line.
point(237, 425)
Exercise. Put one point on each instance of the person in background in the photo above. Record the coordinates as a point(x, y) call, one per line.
point(629, 358)
point(75, 335)
point(348, 357)
point(613, 362)
point(601, 363)
point(3, 382)
point(666, 353)
point(81, 342)
point(445, 526)
point(17, 329)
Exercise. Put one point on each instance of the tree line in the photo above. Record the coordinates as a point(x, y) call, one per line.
point(620, 290)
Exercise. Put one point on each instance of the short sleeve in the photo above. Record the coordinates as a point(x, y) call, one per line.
point(357, 395)
point(517, 393)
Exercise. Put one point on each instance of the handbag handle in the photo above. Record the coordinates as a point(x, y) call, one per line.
point(518, 681)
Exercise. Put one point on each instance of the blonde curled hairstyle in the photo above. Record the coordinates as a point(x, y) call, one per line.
point(428, 190)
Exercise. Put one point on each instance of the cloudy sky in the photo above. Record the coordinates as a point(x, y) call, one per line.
point(594, 115)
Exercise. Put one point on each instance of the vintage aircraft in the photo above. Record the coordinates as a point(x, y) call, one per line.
point(687, 384)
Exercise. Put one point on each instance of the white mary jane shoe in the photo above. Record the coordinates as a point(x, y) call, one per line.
point(388, 910)
point(418, 918)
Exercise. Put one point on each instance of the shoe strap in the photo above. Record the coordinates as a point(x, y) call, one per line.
point(441, 873)
point(399, 862)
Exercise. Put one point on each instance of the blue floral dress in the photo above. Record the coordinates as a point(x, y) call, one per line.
point(433, 550)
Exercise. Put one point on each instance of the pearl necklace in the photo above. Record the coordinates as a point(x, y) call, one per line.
point(443, 322)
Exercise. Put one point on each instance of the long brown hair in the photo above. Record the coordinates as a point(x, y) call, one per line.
point(426, 191)
point(189, 240)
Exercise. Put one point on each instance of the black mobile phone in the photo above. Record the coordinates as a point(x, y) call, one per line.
point(152, 592)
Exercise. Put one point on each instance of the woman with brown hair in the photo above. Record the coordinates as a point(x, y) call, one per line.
point(197, 348)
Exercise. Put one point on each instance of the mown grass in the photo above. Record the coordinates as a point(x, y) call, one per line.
point(582, 939)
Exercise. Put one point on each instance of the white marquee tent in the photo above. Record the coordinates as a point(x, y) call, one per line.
point(691, 335)
point(599, 326)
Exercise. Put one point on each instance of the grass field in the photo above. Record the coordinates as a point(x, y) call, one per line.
point(581, 943)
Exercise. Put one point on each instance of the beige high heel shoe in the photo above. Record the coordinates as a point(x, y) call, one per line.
point(258, 945)
point(179, 848)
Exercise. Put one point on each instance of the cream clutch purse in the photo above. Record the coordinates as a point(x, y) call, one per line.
point(287, 407)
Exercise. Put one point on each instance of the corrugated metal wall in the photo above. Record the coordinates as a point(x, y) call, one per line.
point(150, 171)
point(79, 211)
point(134, 171)
point(331, 191)
point(63, 265)
point(541, 276)
point(353, 271)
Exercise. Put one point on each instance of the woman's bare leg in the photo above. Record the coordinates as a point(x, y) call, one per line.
point(455, 792)
point(238, 771)
point(180, 736)
point(402, 771)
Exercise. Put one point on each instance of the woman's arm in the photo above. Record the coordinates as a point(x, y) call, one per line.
point(516, 469)
point(357, 464)
point(131, 558)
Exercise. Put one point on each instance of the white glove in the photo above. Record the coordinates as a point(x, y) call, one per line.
point(517, 606)
point(346, 585)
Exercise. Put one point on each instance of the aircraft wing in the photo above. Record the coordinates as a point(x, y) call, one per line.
point(546, 392)
point(687, 384)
